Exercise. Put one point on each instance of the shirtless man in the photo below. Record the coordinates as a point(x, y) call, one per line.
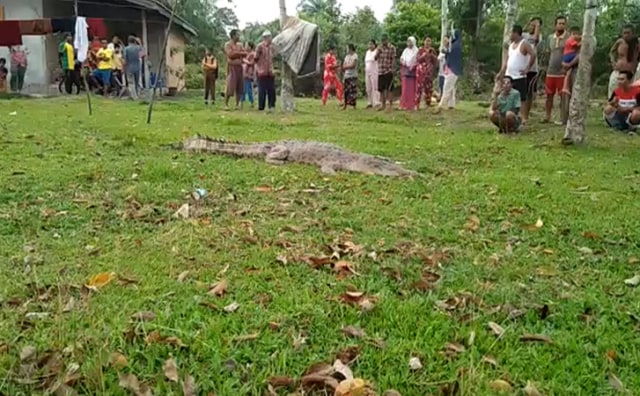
point(624, 56)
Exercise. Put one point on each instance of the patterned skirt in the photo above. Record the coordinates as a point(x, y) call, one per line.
point(350, 91)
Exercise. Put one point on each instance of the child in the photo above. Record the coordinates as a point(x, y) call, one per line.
point(571, 50)
point(3, 75)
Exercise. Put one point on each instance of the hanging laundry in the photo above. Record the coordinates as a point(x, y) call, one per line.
point(35, 27)
point(81, 39)
point(63, 25)
point(97, 28)
point(10, 34)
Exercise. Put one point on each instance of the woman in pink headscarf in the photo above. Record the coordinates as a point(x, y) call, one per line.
point(408, 63)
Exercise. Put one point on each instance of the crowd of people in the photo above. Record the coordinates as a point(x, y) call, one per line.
point(18, 63)
point(247, 65)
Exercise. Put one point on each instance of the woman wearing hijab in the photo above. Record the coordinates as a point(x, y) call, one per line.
point(371, 75)
point(350, 68)
point(427, 63)
point(408, 62)
point(330, 77)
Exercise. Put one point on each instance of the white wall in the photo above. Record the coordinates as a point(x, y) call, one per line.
point(37, 75)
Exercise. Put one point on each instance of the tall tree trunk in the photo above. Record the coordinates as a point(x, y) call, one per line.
point(474, 63)
point(444, 19)
point(576, 123)
point(288, 76)
point(509, 21)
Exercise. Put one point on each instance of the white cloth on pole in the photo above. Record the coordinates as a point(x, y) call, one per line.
point(81, 38)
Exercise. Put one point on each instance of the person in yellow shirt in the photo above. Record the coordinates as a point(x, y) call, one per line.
point(68, 63)
point(105, 64)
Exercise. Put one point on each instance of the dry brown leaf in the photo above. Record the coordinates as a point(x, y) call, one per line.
point(490, 360)
point(154, 337)
point(353, 331)
point(118, 360)
point(315, 381)
point(473, 223)
point(281, 381)
point(68, 307)
point(633, 260)
point(496, 329)
point(531, 390)
point(263, 189)
point(175, 341)
point(536, 338)
point(170, 370)
point(246, 337)
point(27, 353)
point(100, 280)
point(500, 386)
point(318, 262)
point(352, 387)
point(344, 268)
point(183, 275)
point(616, 383)
point(455, 347)
point(611, 355)
point(131, 383)
point(219, 288)
point(143, 316)
point(348, 354)
point(590, 235)
point(391, 392)
point(189, 387)
point(320, 368)
point(233, 307)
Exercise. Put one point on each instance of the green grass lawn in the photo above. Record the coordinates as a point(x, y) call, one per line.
point(86, 195)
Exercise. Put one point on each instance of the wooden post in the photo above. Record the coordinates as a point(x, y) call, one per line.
point(82, 75)
point(162, 60)
point(145, 43)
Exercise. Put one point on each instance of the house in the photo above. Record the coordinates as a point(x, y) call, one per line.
point(148, 19)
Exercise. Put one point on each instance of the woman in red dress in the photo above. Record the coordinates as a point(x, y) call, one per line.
point(427, 63)
point(331, 76)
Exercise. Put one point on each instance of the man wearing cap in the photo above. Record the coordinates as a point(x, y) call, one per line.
point(264, 72)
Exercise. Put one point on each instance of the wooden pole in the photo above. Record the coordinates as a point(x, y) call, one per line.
point(82, 75)
point(145, 41)
point(162, 60)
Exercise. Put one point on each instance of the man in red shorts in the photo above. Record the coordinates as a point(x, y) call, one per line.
point(555, 73)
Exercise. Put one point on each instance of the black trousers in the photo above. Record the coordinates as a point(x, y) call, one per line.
point(266, 92)
point(71, 79)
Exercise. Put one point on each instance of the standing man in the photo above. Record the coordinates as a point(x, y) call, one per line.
point(105, 65)
point(67, 62)
point(532, 37)
point(235, 79)
point(386, 58)
point(132, 65)
point(520, 60)
point(624, 56)
point(264, 72)
point(452, 71)
point(555, 72)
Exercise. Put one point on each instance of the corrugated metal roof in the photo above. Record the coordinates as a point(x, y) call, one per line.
point(163, 7)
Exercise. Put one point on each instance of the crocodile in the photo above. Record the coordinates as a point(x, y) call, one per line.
point(328, 157)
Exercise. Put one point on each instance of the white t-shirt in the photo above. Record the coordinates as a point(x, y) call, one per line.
point(370, 62)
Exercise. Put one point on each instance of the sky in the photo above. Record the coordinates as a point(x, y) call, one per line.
point(267, 10)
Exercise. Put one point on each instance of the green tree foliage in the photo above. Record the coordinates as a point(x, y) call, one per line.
point(327, 15)
point(252, 32)
point(418, 19)
point(360, 27)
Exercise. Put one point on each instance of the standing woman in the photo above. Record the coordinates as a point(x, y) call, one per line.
point(331, 76)
point(371, 75)
point(18, 67)
point(350, 67)
point(427, 63)
point(408, 62)
point(210, 69)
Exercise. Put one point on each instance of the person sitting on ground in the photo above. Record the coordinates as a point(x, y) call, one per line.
point(3, 75)
point(505, 107)
point(622, 113)
point(571, 51)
